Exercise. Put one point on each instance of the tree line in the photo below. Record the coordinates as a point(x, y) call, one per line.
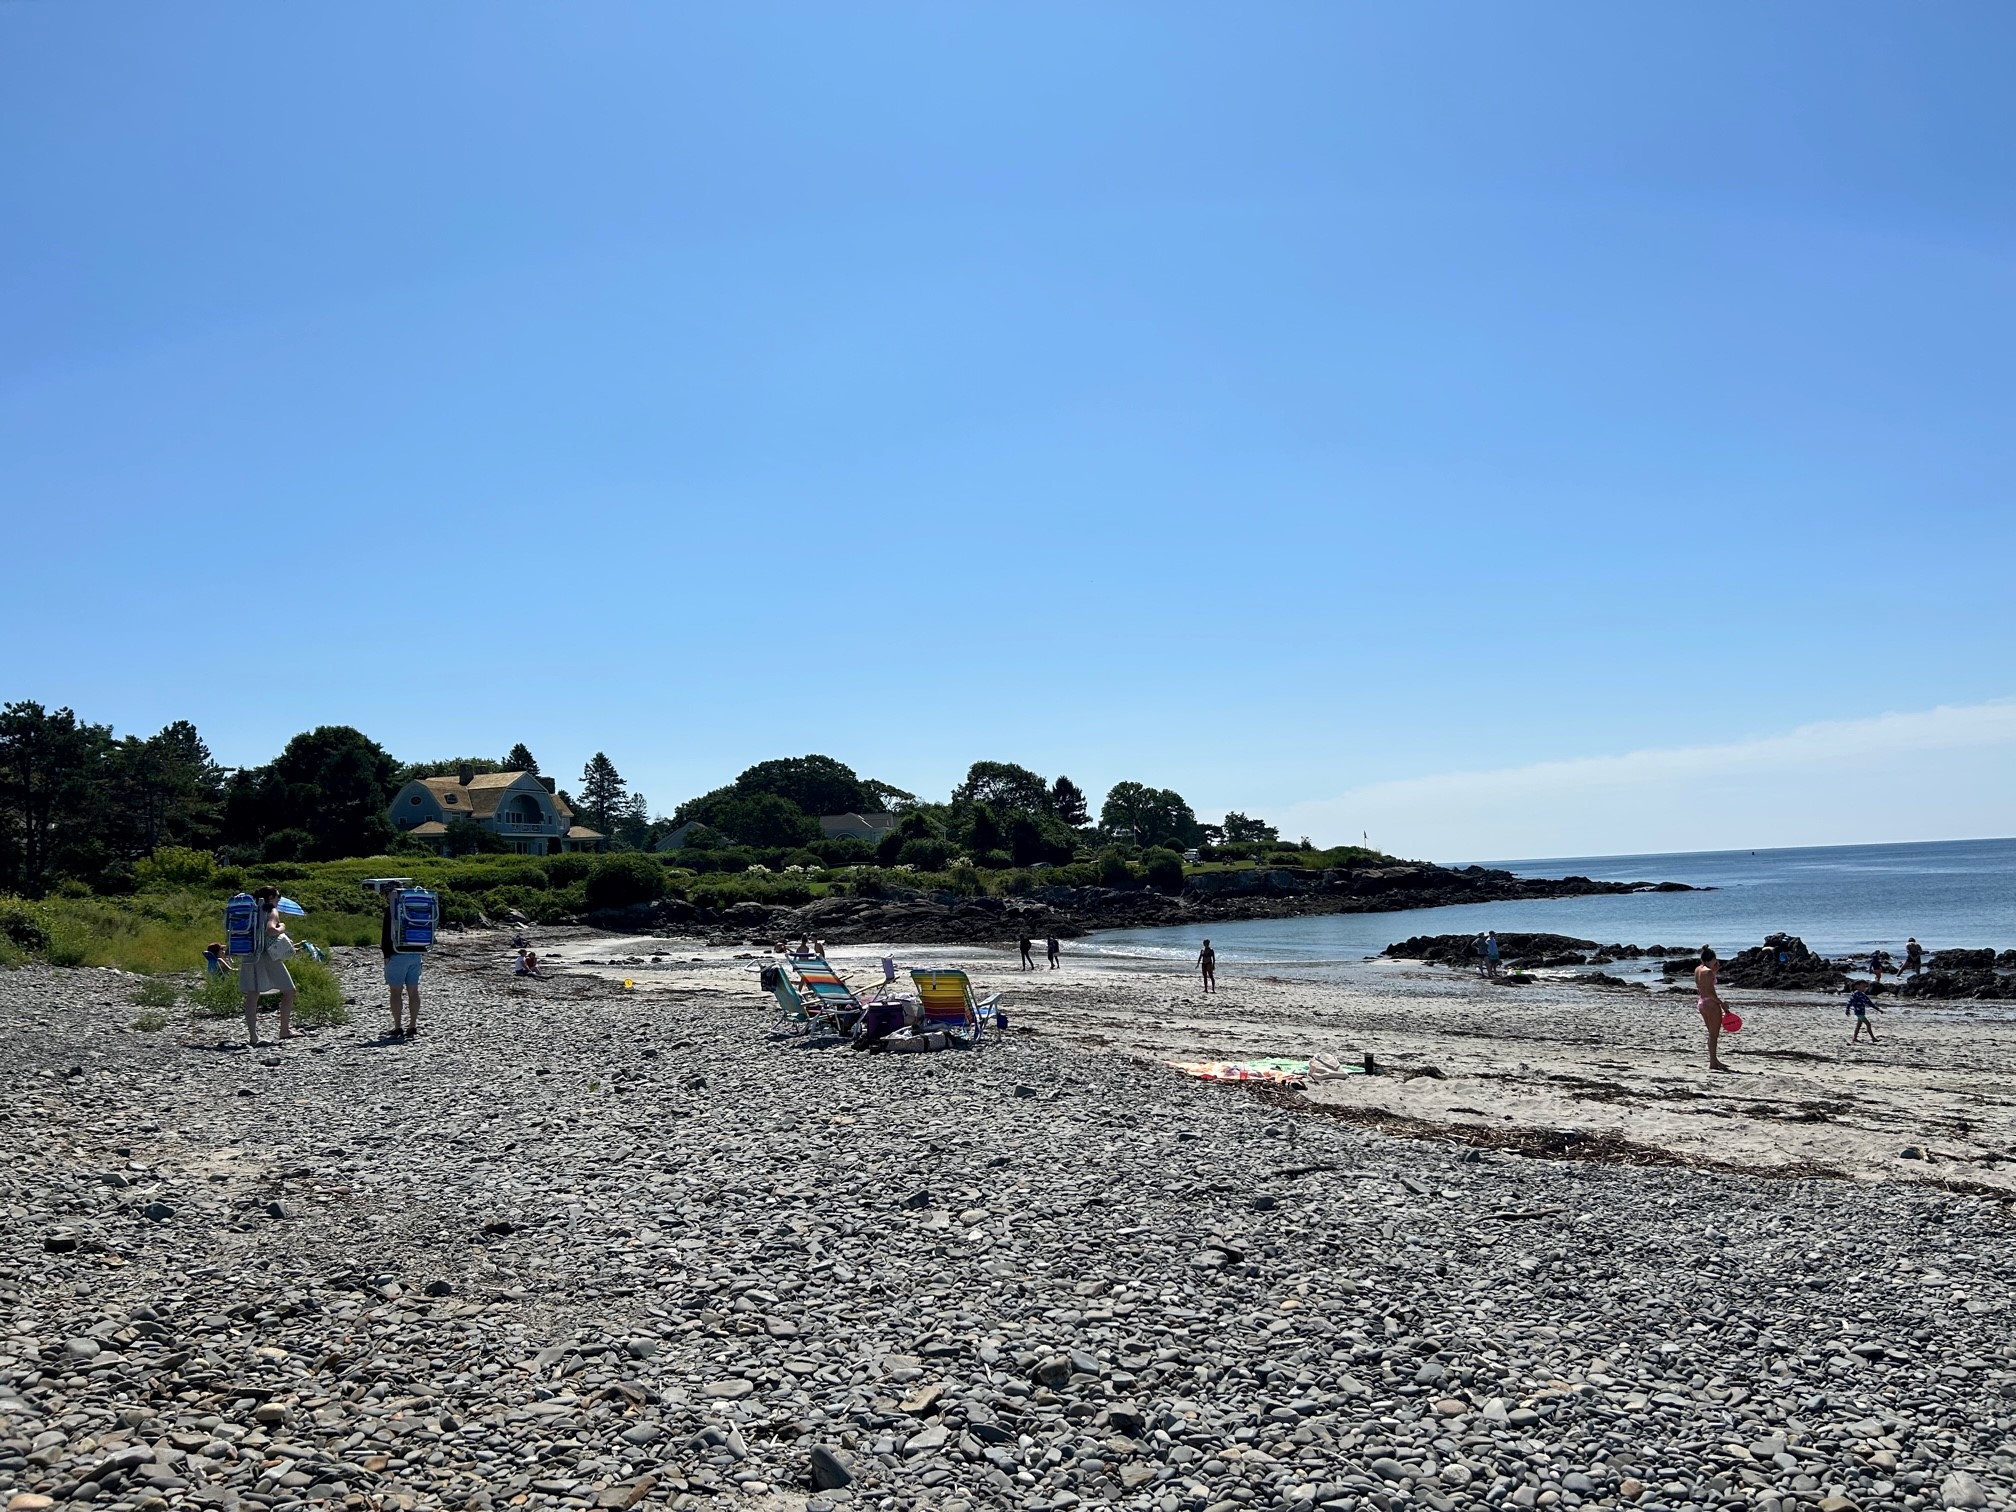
point(81, 807)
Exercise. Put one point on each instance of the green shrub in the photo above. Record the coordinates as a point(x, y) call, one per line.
point(218, 997)
point(174, 868)
point(1019, 884)
point(626, 878)
point(23, 926)
point(926, 853)
point(994, 860)
point(318, 995)
point(1113, 869)
point(153, 1021)
point(1163, 870)
point(155, 992)
point(561, 905)
point(287, 845)
point(70, 887)
point(571, 867)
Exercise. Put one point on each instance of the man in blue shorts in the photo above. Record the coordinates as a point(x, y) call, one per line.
point(402, 969)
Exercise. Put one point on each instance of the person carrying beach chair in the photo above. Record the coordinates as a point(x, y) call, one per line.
point(948, 1002)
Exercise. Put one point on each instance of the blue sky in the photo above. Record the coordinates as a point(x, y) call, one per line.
point(1291, 405)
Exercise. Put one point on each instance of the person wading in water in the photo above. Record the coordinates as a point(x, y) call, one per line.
point(1709, 1001)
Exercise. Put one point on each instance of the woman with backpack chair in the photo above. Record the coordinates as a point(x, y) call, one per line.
point(265, 969)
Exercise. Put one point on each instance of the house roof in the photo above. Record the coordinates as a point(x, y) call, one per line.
point(582, 832)
point(431, 827)
point(839, 824)
point(480, 795)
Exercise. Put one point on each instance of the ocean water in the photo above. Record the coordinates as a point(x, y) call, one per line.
point(1841, 899)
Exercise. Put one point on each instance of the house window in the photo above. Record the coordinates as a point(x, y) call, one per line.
point(448, 798)
point(414, 799)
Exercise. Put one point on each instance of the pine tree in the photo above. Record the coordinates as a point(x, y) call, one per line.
point(520, 759)
point(602, 793)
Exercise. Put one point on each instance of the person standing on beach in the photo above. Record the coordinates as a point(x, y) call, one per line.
point(265, 970)
point(1028, 961)
point(1876, 968)
point(402, 969)
point(1477, 950)
point(1491, 952)
point(1859, 1004)
point(1914, 956)
point(1709, 1001)
point(1207, 963)
point(1053, 950)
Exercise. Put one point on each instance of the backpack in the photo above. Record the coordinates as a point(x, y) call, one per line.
point(241, 925)
point(415, 912)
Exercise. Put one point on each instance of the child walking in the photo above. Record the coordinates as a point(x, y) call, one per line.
point(1859, 1004)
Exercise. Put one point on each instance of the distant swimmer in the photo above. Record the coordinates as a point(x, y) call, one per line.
point(1709, 1001)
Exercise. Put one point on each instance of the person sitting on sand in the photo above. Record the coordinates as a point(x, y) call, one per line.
point(1207, 963)
point(215, 963)
point(1859, 1004)
point(1709, 1001)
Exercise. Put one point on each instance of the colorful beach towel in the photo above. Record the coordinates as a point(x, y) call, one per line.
point(1284, 1072)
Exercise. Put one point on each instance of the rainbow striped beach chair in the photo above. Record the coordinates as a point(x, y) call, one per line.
point(828, 989)
point(802, 1012)
point(948, 1002)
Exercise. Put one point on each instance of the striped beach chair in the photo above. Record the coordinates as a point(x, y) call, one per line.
point(948, 1002)
point(801, 1013)
point(828, 988)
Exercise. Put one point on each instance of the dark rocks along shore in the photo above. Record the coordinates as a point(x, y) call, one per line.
point(1266, 893)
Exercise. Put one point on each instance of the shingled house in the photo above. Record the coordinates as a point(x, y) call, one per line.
point(517, 807)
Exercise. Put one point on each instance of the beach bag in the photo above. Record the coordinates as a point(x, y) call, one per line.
point(241, 925)
point(769, 977)
point(415, 913)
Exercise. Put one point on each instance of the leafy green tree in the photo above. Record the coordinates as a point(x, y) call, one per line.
point(633, 822)
point(520, 759)
point(983, 831)
point(1239, 830)
point(1154, 816)
point(479, 765)
point(887, 798)
point(175, 868)
point(763, 820)
point(817, 784)
point(1004, 786)
point(333, 782)
point(167, 790)
point(51, 792)
point(603, 792)
point(1067, 802)
point(466, 837)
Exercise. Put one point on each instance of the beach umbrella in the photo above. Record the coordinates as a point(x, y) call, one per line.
point(289, 906)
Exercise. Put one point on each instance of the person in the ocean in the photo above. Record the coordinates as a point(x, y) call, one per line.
point(1709, 1001)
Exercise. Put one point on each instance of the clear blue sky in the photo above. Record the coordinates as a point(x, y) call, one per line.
point(1286, 404)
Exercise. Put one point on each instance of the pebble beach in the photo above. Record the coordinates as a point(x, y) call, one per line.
point(583, 1245)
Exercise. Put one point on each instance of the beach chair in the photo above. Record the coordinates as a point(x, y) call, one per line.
point(828, 989)
point(802, 1013)
point(948, 1002)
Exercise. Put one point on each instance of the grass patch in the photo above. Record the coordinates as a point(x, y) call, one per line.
point(155, 992)
point(153, 1021)
point(318, 996)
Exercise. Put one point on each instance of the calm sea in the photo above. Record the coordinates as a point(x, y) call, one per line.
point(1841, 899)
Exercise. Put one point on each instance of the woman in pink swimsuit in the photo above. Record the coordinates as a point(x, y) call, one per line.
point(1709, 1001)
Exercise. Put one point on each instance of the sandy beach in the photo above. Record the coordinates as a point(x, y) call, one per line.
point(1620, 1070)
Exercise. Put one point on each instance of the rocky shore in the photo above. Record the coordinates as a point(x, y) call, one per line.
point(582, 1247)
point(1783, 963)
point(1068, 912)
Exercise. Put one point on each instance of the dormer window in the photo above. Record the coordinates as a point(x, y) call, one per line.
point(448, 798)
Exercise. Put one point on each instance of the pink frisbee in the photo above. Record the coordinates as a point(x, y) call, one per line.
point(1730, 1022)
